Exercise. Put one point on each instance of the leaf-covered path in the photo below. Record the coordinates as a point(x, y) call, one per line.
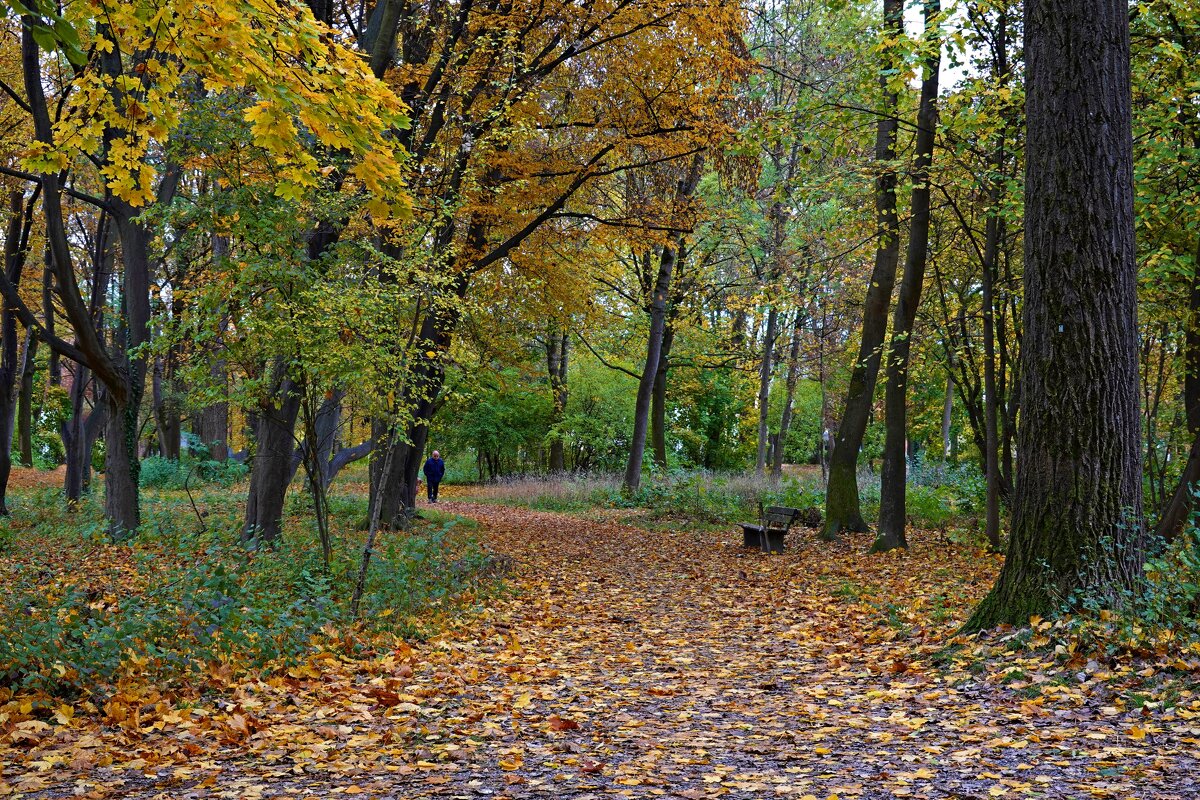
point(671, 664)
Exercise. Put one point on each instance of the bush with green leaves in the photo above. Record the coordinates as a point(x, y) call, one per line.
point(1161, 612)
point(165, 473)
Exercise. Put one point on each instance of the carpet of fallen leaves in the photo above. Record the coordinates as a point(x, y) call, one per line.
point(628, 663)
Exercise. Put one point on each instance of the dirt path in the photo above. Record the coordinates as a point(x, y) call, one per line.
point(640, 664)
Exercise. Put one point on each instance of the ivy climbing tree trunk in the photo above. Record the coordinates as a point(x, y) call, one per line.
point(843, 511)
point(1077, 523)
point(894, 475)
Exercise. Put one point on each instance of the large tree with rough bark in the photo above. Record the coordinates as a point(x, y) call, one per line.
point(1077, 505)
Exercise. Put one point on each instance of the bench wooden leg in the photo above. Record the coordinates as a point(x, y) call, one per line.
point(752, 536)
point(772, 541)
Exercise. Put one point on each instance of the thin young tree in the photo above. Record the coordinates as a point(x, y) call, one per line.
point(894, 475)
point(842, 508)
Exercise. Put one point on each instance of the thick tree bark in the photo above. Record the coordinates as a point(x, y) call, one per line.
point(121, 468)
point(842, 508)
point(658, 401)
point(893, 515)
point(654, 342)
point(271, 469)
point(1077, 506)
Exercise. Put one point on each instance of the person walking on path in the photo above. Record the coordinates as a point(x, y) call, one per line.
point(434, 469)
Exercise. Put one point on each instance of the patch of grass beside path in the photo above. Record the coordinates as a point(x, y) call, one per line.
point(81, 616)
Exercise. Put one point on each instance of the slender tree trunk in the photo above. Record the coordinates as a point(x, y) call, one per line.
point(948, 418)
point(893, 516)
point(991, 399)
point(421, 394)
point(993, 236)
point(166, 407)
point(1179, 509)
point(25, 400)
point(1077, 505)
point(654, 342)
point(789, 400)
point(843, 511)
point(764, 389)
point(557, 349)
point(658, 402)
point(16, 252)
point(72, 432)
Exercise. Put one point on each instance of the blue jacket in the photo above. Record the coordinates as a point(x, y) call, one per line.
point(434, 469)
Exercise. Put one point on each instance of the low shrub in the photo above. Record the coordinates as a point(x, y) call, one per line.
point(163, 473)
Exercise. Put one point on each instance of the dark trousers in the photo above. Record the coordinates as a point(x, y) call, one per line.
point(431, 488)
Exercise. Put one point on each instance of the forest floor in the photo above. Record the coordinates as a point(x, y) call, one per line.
point(628, 663)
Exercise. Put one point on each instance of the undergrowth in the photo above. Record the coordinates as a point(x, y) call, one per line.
point(939, 496)
point(80, 613)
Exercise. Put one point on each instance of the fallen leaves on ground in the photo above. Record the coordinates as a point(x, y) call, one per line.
point(629, 663)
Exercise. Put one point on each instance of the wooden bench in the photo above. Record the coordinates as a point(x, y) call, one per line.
point(768, 534)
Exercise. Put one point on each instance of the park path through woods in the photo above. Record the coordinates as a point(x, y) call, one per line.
point(628, 663)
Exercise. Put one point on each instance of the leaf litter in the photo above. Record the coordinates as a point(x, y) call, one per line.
point(629, 663)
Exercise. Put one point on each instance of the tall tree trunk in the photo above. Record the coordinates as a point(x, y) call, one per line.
point(74, 439)
point(658, 402)
point(16, 253)
point(166, 406)
point(122, 466)
point(893, 515)
point(25, 400)
point(424, 384)
point(1077, 505)
point(764, 389)
point(993, 236)
point(948, 418)
point(211, 423)
point(991, 400)
point(843, 511)
point(1179, 508)
point(271, 470)
point(557, 350)
point(654, 342)
point(789, 400)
